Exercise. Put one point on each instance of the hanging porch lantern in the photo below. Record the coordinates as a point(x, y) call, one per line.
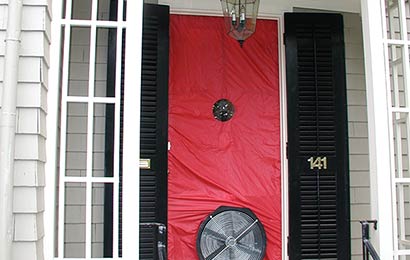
point(240, 18)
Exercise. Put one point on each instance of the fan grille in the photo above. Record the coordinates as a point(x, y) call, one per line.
point(231, 233)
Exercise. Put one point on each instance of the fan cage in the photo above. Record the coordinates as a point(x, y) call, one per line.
point(231, 233)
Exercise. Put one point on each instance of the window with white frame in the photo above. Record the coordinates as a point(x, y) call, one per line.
point(89, 217)
point(397, 46)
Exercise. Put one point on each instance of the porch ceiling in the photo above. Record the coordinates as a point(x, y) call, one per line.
point(267, 7)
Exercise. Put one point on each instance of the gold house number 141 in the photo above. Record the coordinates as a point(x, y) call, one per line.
point(318, 162)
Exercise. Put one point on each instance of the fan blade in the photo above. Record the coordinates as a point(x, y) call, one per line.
point(217, 253)
point(245, 231)
point(219, 226)
point(239, 255)
point(247, 249)
point(215, 235)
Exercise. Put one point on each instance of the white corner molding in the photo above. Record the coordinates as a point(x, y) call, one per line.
point(378, 124)
point(52, 133)
point(132, 97)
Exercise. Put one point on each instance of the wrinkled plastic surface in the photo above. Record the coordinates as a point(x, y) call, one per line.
point(213, 163)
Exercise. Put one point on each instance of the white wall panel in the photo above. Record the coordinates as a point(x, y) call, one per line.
point(28, 250)
point(28, 227)
point(2, 36)
point(29, 95)
point(3, 15)
point(28, 200)
point(28, 121)
point(34, 73)
point(29, 173)
point(30, 147)
point(2, 67)
point(39, 24)
point(33, 43)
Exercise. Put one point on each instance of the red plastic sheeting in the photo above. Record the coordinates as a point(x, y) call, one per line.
point(212, 163)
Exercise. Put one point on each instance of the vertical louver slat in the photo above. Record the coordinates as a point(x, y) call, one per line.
point(154, 126)
point(317, 146)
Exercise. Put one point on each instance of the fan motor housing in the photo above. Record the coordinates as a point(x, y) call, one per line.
point(231, 233)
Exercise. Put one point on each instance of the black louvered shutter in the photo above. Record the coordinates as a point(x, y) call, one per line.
point(319, 215)
point(154, 126)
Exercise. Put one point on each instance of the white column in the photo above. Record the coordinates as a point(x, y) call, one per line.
point(8, 127)
point(132, 100)
point(52, 133)
point(378, 124)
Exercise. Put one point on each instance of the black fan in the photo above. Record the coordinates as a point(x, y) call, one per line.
point(231, 234)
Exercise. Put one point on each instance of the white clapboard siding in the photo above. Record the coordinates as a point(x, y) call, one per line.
point(358, 135)
point(30, 154)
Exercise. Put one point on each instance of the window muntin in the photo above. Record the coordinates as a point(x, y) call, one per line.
point(88, 224)
point(397, 46)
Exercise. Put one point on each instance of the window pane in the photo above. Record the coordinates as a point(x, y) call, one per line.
point(64, 8)
point(79, 61)
point(398, 90)
point(403, 211)
point(105, 62)
point(76, 147)
point(81, 9)
point(407, 10)
point(393, 19)
point(124, 16)
point(401, 144)
point(74, 220)
point(103, 147)
point(108, 10)
point(102, 220)
point(104, 12)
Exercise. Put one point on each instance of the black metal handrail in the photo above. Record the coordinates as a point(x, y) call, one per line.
point(368, 249)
